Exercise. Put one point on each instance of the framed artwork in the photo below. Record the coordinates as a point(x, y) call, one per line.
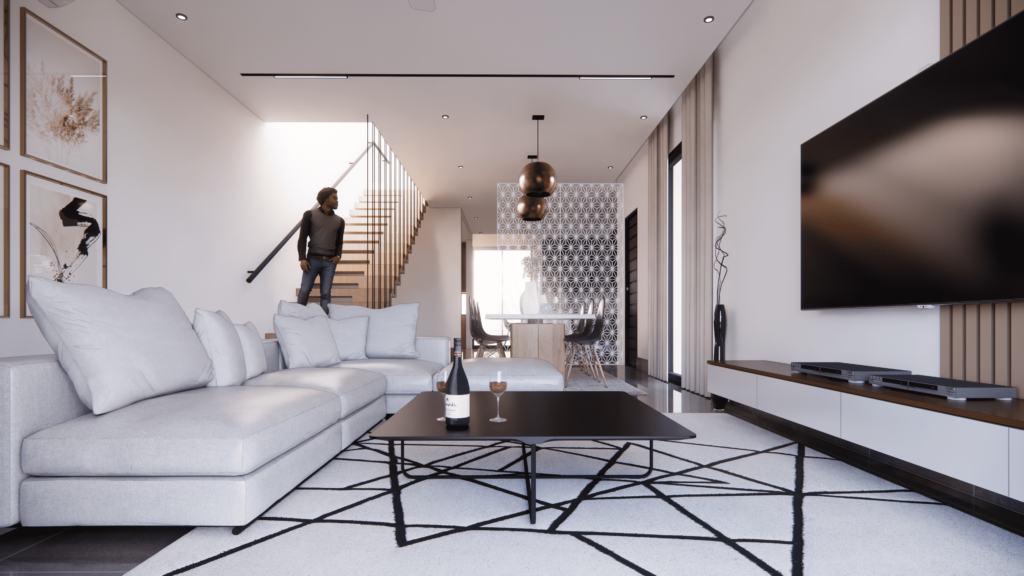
point(63, 100)
point(5, 242)
point(63, 233)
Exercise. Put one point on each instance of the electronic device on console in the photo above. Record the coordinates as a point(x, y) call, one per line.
point(952, 389)
point(854, 373)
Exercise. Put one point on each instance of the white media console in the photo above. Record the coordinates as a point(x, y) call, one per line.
point(981, 444)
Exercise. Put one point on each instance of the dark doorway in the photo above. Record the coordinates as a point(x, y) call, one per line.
point(631, 292)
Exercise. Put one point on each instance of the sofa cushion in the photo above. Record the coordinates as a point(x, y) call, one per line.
point(285, 308)
point(522, 374)
point(355, 388)
point(222, 345)
point(306, 343)
point(252, 349)
point(350, 337)
point(391, 332)
point(403, 376)
point(220, 431)
point(118, 349)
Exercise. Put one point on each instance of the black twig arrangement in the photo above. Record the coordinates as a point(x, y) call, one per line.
point(720, 255)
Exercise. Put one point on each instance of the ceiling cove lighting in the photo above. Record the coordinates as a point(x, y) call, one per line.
point(709, 19)
point(308, 77)
point(287, 75)
point(181, 16)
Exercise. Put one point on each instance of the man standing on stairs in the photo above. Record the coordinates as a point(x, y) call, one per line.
point(324, 229)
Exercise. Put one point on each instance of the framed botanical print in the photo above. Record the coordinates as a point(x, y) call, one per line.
point(63, 233)
point(63, 100)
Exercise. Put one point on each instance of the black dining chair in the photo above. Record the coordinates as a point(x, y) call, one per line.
point(584, 347)
point(479, 334)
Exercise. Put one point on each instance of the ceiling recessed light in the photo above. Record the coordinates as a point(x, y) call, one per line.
point(476, 217)
point(643, 117)
point(460, 167)
point(709, 19)
point(445, 116)
point(610, 167)
point(469, 197)
point(181, 16)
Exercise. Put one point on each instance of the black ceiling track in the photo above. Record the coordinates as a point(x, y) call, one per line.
point(359, 75)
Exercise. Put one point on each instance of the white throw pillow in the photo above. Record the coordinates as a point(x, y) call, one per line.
point(118, 349)
point(294, 310)
point(306, 343)
point(391, 332)
point(252, 350)
point(350, 336)
point(222, 345)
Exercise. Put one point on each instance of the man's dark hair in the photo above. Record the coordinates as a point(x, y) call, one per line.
point(324, 194)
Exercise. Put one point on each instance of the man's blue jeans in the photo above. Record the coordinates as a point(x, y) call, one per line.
point(325, 270)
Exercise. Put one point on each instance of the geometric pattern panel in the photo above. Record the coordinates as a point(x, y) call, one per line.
point(576, 252)
point(736, 500)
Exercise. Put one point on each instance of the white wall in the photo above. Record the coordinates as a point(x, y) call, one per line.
point(199, 189)
point(787, 71)
point(433, 275)
point(634, 180)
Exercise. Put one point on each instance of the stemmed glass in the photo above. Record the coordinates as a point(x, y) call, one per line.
point(442, 386)
point(498, 388)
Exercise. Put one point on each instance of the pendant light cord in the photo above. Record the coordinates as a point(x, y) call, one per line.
point(538, 141)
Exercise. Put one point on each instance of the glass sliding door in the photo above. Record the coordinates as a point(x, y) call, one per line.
point(675, 265)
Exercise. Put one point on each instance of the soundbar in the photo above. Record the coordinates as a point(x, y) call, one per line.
point(952, 389)
point(854, 373)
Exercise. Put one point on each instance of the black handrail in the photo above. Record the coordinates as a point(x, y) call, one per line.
point(254, 273)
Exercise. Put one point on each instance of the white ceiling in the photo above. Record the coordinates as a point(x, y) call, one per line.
point(589, 125)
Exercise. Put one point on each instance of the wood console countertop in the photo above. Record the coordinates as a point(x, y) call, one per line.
point(994, 411)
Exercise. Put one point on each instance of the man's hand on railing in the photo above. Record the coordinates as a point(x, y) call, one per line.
point(304, 264)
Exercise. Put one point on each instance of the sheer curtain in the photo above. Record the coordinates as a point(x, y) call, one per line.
point(657, 254)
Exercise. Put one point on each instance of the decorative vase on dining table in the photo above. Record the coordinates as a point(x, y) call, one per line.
point(718, 324)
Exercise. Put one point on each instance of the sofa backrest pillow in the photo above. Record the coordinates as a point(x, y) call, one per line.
point(306, 343)
point(118, 349)
point(350, 336)
point(294, 310)
point(391, 332)
point(252, 349)
point(222, 345)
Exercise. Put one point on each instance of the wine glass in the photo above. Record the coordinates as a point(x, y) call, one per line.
point(498, 388)
point(442, 386)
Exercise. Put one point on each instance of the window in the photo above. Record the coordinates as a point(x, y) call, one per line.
point(675, 265)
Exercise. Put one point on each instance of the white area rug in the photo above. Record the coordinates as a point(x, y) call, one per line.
point(580, 382)
point(735, 500)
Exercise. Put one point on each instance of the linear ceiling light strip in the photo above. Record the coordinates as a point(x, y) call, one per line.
point(308, 76)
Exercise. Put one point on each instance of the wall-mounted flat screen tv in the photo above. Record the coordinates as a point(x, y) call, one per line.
point(918, 198)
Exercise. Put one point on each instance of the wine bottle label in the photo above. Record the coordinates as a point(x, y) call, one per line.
point(456, 406)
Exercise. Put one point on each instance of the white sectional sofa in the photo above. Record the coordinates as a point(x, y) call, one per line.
point(210, 456)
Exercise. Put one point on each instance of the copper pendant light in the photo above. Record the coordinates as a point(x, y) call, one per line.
point(537, 179)
point(532, 209)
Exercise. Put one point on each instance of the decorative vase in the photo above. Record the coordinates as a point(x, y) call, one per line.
point(718, 323)
point(531, 299)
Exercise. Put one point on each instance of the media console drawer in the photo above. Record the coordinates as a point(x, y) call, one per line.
point(965, 449)
point(816, 408)
point(735, 385)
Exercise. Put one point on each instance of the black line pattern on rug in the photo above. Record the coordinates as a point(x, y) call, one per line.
point(688, 475)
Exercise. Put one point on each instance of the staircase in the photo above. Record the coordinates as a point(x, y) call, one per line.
point(380, 231)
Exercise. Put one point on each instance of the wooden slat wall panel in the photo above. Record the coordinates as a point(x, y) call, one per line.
point(1001, 346)
point(1001, 11)
point(945, 26)
point(959, 356)
point(961, 21)
point(958, 25)
point(986, 16)
point(970, 20)
point(946, 341)
point(971, 351)
point(986, 345)
point(1017, 347)
point(1016, 6)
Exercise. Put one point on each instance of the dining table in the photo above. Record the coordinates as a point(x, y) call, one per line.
point(540, 335)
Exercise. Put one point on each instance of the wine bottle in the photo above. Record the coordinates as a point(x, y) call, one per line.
point(456, 398)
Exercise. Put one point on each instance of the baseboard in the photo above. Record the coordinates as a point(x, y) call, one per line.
point(641, 365)
point(983, 504)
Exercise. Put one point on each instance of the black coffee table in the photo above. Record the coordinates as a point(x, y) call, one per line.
point(533, 418)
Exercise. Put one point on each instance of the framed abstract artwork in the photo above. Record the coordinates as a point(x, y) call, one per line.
point(63, 233)
point(63, 100)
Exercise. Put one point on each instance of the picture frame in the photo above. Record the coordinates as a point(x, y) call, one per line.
point(61, 79)
point(63, 233)
point(5, 242)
